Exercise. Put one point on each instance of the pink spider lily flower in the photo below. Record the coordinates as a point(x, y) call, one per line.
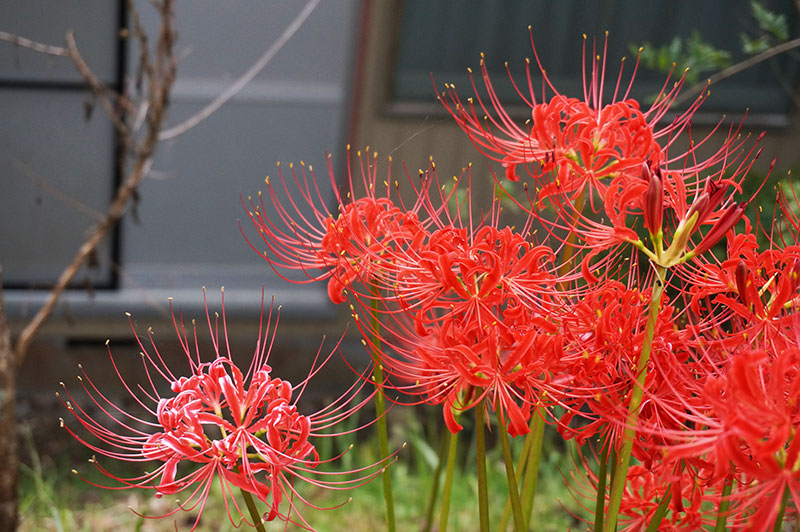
point(341, 245)
point(218, 424)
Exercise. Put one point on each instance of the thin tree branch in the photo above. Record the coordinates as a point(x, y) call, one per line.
point(42, 48)
point(735, 69)
point(97, 87)
point(246, 78)
point(159, 86)
point(71, 52)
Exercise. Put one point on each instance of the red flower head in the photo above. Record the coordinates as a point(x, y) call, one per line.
point(302, 234)
point(610, 153)
point(755, 292)
point(744, 425)
point(646, 489)
point(461, 315)
point(603, 336)
point(243, 429)
point(569, 143)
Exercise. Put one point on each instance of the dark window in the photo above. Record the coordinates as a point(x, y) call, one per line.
point(58, 168)
point(444, 38)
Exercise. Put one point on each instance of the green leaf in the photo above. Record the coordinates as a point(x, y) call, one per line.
point(694, 53)
point(769, 21)
point(703, 56)
point(753, 45)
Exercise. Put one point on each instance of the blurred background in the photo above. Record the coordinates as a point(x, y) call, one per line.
point(359, 72)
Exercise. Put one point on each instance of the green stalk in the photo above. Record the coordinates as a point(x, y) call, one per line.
point(602, 474)
point(437, 476)
point(255, 515)
point(779, 518)
point(480, 448)
point(523, 461)
point(520, 525)
point(637, 391)
point(531, 476)
point(724, 503)
point(448, 482)
point(659, 514)
point(506, 516)
point(380, 412)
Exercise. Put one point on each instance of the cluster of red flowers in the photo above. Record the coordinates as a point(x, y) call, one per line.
point(619, 319)
point(600, 308)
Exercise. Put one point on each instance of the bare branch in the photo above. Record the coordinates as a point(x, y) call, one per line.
point(33, 45)
point(246, 78)
point(735, 69)
point(159, 87)
point(98, 88)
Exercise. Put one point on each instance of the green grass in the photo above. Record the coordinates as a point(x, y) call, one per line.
point(52, 498)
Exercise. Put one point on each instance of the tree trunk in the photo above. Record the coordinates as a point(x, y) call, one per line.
point(9, 461)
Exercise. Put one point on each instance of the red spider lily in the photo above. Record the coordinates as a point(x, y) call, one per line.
point(579, 142)
point(603, 334)
point(464, 278)
point(745, 423)
point(756, 291)
point(243, 430)
point(570, 144)
point(461, 315)
point(589, 149)
point(511, 362)
point(303, 234)
point(689, 505)
point(644, 491)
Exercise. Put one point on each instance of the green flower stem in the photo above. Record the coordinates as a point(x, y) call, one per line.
point(659, 514)
point(602, 473)
point(444, 513)
point(380, 412)
point(523, 461)
point(480, 448)
point(779, 518)
point(724, 503)
point(437, 476)
point(520, 525)
point(637, 391)
point(255, 515)
point(531, 476)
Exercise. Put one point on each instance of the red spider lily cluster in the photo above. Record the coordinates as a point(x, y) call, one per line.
point(602, 309)
point(628, 297)
point(242, 430)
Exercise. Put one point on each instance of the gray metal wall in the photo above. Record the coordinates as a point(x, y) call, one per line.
point(187, 236)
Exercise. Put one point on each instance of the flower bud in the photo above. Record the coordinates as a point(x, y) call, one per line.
point(741, 282)
point(653, 200)
point(726, 221)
